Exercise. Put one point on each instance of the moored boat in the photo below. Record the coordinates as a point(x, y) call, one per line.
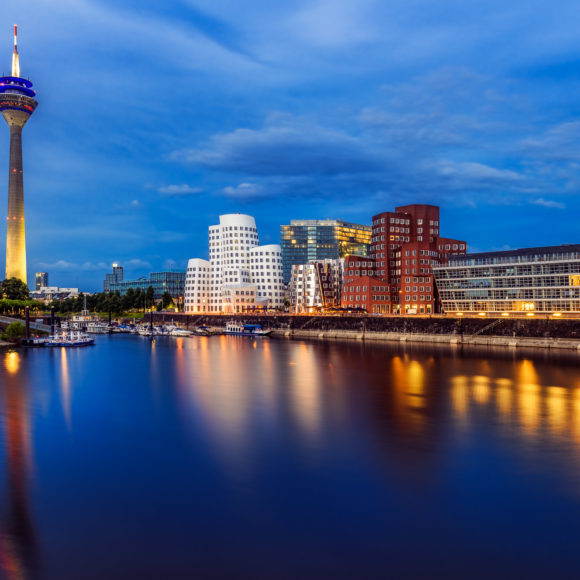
point(180, 332)
point(240, 329)
point(204, 331)
point(70, 338)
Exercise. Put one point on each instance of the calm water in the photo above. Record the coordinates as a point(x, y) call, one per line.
point(224, 457)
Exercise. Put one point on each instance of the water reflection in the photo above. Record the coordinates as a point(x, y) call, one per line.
point(199, 435)
point(17, 535)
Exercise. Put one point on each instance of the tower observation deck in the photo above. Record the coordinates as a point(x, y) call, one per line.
point(17, 103)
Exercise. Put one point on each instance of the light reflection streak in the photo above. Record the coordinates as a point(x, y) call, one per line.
point(481, 389)
point(408, 381)
point(65, 387)
point(533, 407)
point(17, 534)
point(557, 408)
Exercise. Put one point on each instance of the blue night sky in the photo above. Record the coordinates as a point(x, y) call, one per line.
point(156, 117)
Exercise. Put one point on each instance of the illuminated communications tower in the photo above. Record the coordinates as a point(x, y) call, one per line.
point(17, 103)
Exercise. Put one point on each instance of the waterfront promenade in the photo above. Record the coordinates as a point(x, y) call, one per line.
point(535, 333)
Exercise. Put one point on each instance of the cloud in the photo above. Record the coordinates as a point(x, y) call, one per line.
point(179, 190)
point(137, 263)
point(63, 265)
point(548, 203)
point(558, 143)
point(476, 172)
point(245, 191)
point(290, 149)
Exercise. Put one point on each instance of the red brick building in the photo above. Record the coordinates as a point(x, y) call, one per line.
point(362, 288)
point(405, 245)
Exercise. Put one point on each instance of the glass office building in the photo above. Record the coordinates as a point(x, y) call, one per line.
point(161, 282)
point(305, 240)
point(527, 281)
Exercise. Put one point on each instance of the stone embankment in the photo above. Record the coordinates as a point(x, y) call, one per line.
point(532, 333)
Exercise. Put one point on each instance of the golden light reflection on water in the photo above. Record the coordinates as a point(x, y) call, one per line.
point(16, 530)
point(408, 382)
point(557, 408)
point(481, 389)
point(504, 396)
point(460, 395)
point(528, 396)
point(523, 402)
point(12, 362)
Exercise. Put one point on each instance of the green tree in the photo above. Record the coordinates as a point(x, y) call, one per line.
point(166, 301)
point(15, 330)
point(129, 299)
point(150, 295)
point(115, 304)
point(14, 289)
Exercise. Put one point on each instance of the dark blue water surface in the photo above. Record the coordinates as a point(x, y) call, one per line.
point(225, 457)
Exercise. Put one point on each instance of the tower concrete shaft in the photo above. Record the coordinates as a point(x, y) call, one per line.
point(15, 236)
point(17, 103)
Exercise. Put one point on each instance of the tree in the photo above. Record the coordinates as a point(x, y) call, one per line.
point(166, 301)
point(15, 330)
point(14, 289)
point(150, 296)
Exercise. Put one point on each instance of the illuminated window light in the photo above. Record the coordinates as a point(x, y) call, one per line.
point(460, 314)
point(505, 313)
point(482, 314)
point(557, 314)
point(530, 314)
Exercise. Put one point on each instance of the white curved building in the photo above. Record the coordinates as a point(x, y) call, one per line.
point(240, 275)
point(266, 273)
point(197, 286)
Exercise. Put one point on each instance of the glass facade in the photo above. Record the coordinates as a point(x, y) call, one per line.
point(543, 280)
point(41, 280)
point(305, 240)
point(172, 282)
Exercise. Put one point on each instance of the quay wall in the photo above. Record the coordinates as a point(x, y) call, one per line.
point(536, 333)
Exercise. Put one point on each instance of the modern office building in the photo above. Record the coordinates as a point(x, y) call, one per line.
point(316, 286)
point(41, 280)
point(306, 240)
point(240, 275)
point(17, 103)
point(161, 282)
point(529, 281)
point(405, 246)
point(114, 278)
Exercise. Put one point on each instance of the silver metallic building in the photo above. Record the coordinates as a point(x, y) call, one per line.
point(527, 281)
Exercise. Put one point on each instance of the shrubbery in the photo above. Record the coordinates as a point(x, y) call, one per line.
point(15, 330)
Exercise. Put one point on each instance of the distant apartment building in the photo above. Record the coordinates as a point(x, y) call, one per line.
point(306, 240)
point(405, 246)
point(47, 294)
point(41, 280)
point(240, 275)
point(161, 282)
point(528, 281)
point(113, 278)
point(316, 286)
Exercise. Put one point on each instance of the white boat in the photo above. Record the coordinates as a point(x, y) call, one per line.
point(69, 338)
point(87, 322)
point(180, 332)
point(240, 329)
point(144, 331)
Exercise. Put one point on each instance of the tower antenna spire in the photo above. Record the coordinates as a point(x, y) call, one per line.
point(15, 59)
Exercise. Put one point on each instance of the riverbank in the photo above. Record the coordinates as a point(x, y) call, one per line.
point(437, 325)
point(533, 332)
point(453, 340)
